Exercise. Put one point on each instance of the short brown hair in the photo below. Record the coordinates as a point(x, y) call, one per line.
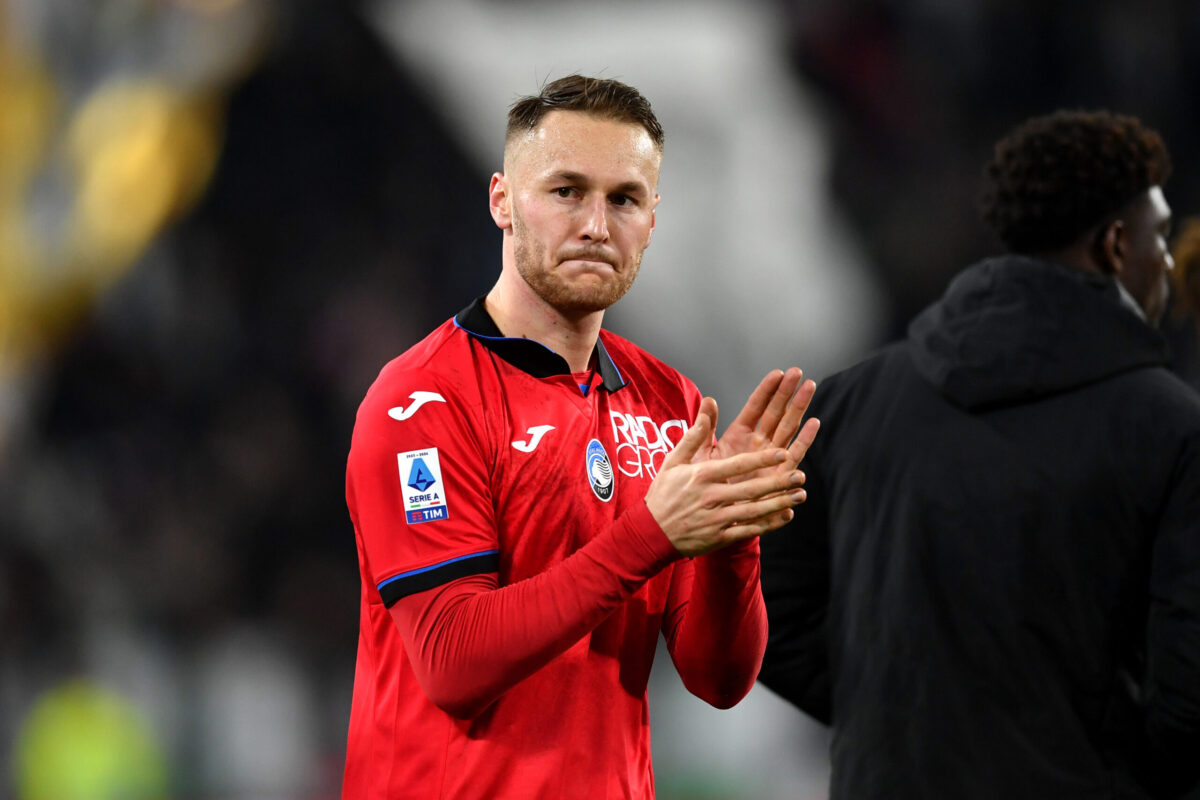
point(601, 97)
point(1054, 177)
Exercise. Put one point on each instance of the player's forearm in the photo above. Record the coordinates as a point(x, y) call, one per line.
point(722, 637)
point(470, 641)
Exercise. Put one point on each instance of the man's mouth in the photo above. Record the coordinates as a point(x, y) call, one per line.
point(590, 258)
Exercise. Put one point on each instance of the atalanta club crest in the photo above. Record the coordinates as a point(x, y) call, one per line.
point(599, 471)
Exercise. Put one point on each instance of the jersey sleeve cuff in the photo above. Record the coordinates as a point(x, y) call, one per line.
point(418, 580)
point(652, 542)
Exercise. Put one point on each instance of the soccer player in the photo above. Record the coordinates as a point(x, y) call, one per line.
point(994, 591)
point(536, 499)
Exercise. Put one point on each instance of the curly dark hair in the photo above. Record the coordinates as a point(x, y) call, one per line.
point(602, 97)
point(1055, 176)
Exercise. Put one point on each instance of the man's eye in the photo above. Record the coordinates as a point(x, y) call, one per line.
point(565, 191)
point(622, 200)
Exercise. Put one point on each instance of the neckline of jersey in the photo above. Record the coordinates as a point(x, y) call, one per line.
point(527, 355)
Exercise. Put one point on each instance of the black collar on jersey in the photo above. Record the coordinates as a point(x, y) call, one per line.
point(527, 355)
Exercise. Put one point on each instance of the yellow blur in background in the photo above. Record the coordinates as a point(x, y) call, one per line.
point(81, 742)
point(132, 157)
point(94, 166)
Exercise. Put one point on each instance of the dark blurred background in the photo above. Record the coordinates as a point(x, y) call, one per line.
point(219, 218)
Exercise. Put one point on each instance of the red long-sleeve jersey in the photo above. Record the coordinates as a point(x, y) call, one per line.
point(514, 582)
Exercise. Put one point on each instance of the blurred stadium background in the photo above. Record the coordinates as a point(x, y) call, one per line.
point(219, 218)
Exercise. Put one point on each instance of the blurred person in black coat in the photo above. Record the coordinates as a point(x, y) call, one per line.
point(993, 590)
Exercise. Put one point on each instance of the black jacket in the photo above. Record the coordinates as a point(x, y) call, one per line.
point(993, 590)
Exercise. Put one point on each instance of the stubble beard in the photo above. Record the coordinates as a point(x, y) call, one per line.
point(561, 295)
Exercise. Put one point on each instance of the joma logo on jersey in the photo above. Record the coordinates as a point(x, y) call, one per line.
point(642, 444)
point(418, 399)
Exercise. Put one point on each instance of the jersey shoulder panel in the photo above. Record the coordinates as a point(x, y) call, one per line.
point(418, 474)
point(441, 363)
point(643, 367)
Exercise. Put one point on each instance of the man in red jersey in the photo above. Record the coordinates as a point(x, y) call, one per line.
point(535, 499)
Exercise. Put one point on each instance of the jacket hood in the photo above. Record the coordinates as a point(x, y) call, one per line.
point(1013, 329)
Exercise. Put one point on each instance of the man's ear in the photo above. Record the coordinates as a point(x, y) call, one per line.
point(653, 221)
point(1109, 247)
point(500, 201)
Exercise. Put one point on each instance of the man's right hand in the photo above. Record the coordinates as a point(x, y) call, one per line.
point(700, 506)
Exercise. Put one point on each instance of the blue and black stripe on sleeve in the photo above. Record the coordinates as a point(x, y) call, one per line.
point(418, 580)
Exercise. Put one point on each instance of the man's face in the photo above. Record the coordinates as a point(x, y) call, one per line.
point(582, 194)
point(1147, 257)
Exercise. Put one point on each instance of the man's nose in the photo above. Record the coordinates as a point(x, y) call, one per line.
point(595, 221)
